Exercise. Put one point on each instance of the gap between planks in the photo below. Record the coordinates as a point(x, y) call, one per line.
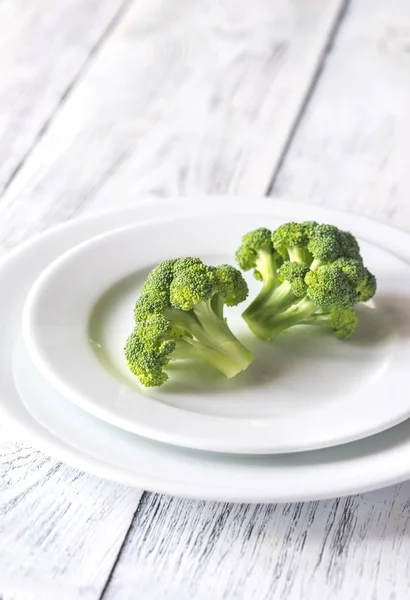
point(310, 92)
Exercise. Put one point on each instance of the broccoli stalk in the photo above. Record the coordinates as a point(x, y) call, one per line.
point(180, 315)
point(270, 322)
point(206, 335)
point(342, 322)
point(256, 252)
point(318, 280)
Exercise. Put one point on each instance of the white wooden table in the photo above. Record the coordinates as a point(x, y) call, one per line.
point(105, 103)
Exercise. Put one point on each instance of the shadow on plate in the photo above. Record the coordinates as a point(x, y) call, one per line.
point(302, 352)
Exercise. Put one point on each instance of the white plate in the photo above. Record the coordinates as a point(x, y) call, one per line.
point(68, 434)
point(306, 390)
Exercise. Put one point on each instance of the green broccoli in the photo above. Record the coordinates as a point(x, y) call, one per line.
point(343, 322)
point(256, 252)
point(291, 241)
point(316, 277)
point(180, 315)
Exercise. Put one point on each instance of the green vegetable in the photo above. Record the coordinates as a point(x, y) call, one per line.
point(311, 274)
point(180, 315)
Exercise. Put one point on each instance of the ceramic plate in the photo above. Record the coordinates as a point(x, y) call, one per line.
point(306, 390)
point(65, 432)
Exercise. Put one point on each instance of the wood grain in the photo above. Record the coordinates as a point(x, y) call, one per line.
point(60, 530)
point(346, 549)
point(193, 97)
point(352, 149)
point(44, 48)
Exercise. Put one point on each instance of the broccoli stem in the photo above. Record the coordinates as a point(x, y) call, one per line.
point(343, 323)
point(185, 321)
point(266, 266)
point(315, 264)
point(218, 304)
point(267, 324)
point(217, 335)
point(299, 255)
point(214, 342)
point(229, 361)
point(318, 319)
point(279, 300)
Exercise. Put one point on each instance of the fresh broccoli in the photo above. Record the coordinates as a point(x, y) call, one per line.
point(316, 277)
point(180, 315)
point(291, 241)
point(343, 322)
point(256, 252)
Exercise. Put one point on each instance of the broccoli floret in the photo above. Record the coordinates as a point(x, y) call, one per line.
point(180, 315)
point(328, 243)
point(148, 348)
point(293, 275)
point(359, 277)
point(291, 241)
point(321, 280)
point(367, 287)
point(160, 277)
point(342, 322)
point(328, 287)
point(256, 252)
point(232, 287)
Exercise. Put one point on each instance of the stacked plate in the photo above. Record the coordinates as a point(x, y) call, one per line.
point(313, 417)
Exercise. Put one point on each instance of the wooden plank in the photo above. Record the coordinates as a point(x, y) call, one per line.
point(197, 97)
point(346, 549)
point(60, 530)
point(44, 48)
point(352, 149)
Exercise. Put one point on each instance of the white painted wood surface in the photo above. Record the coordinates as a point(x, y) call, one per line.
point(343, 549)
point(44, 50)
point(184, 97)
point(213, 113)
point(60, 530)
point(352, 150)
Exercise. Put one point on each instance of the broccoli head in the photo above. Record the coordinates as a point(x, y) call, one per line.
point(319, 279)
point(180, 315)
point(291, 241)
point(328, 243)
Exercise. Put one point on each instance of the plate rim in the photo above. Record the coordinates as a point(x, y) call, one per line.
point(193, 430)
point(80, 459)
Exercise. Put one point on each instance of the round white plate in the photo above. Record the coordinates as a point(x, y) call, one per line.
point(306, 390)
point(65, 432)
